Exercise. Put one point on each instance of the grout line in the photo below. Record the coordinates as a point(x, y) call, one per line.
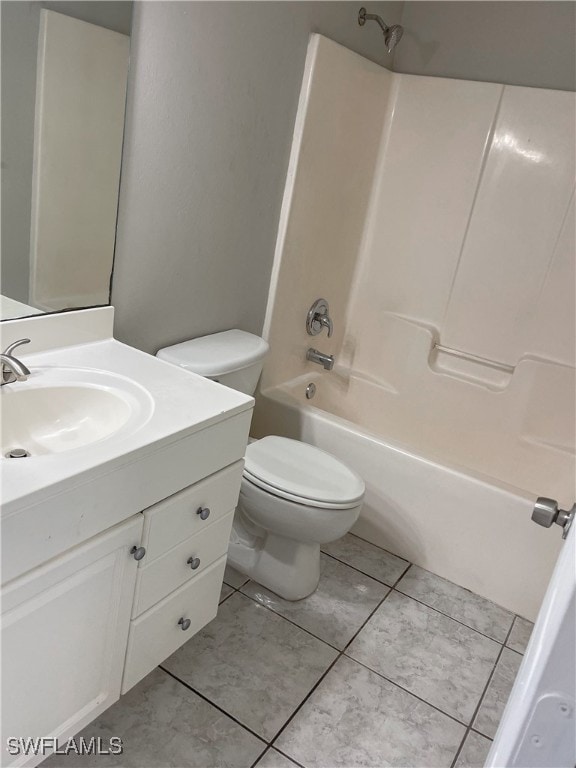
point(226, 598)
point(369, 575)
point(232, 585)
point(480, 700)
point(432, 608)
point(388, 552)
point(216, 706)
point(479, 733)
point(340, 654)
point(281, 615)
point(299, 707)
point(260, 756)
point(415, 598)
point(300, 765)
point(406, 690)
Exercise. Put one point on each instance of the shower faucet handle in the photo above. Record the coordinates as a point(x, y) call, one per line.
point(318, 318)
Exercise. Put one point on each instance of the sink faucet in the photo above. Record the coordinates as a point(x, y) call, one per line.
point(12, 369)
point(327, 361)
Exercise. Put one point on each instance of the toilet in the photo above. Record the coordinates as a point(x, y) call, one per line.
point(294, 496)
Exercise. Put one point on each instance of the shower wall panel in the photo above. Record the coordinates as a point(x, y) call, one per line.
point(521, 203)
point(437, 218)
point(342, 107)
point(430, 163)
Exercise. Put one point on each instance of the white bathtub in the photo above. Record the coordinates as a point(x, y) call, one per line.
point(461, 522)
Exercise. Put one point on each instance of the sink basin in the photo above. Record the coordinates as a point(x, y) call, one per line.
point(64, 409)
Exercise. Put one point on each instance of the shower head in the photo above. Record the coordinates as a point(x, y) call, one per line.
point(392, 34)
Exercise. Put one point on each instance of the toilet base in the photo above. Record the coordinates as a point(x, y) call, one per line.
point(289, 568)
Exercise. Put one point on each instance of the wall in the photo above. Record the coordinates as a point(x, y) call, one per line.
point(20, 24)
point(343, 107)
point(450, 278)
point(212, 101)
point(517, 43)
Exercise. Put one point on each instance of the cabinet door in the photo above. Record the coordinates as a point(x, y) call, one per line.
point(64, 634)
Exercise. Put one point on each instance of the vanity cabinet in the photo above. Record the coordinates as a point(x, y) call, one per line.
point(179, 580)
point(64, 632)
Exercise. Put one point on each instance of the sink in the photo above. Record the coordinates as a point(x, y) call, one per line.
point(65, 409)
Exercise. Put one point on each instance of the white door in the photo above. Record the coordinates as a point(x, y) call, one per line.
point(538, 728)
point(64, 633)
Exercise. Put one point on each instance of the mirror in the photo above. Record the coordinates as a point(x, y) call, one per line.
point(64, 75)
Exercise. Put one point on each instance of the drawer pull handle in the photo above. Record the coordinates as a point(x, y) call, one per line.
point(138, 552)
point(193, 562)
point(203, 512)
point(184, 623)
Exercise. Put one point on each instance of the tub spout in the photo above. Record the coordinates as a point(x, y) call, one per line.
point(327, 361)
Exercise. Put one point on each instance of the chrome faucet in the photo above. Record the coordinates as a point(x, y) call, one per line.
point(12, 369)
point(318, 318)
point(327, 361)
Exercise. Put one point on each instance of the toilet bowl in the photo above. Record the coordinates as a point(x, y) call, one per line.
point(293, 498)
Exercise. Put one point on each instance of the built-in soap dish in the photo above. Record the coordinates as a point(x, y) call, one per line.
point(477, 370)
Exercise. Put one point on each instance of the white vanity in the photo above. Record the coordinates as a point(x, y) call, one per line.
point(115, 530)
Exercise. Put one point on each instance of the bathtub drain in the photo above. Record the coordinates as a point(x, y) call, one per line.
point(17, 453)
point(310, 391)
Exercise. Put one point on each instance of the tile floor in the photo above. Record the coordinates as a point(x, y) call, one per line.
point(385, 665)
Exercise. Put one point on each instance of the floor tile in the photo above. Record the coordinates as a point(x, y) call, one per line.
point(474, 752)
point(367, 557)
point(457, 602)
point(521, 631)
point(336, 611)
point(252, 663)
point(429, 654)
point(163, 725)
point(496, 696)
point(356, 718)
point(234, 578)
point(273, 759)
point(225, 591)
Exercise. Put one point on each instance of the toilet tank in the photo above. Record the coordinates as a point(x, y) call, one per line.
point(234, 358)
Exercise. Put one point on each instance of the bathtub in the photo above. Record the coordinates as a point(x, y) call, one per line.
point(442, 501)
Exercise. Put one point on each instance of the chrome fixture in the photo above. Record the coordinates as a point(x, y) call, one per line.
point(17, 453)
point(546, 512)
point(137, 552)
point(392, 35)
point(310, 390)
point(203, 512)
point(318, 318)
point(12, 368)
point(327, 361)
point(184, 624)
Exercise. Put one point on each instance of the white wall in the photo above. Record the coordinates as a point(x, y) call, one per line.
point(516, 43)
point(212, 99)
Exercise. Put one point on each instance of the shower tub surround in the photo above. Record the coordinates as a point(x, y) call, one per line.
point(436, 216)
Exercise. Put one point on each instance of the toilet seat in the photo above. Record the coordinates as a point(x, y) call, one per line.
point(302, 473)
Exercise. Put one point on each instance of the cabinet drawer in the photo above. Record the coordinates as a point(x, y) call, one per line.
point(175, 519)
point(156, 634)
point(168, 572)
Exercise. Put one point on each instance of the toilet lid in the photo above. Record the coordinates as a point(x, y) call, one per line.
point(301, 472)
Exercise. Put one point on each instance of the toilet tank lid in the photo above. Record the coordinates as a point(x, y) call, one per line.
point(218, 353)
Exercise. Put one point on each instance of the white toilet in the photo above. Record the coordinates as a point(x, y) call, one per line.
point(294, 496)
